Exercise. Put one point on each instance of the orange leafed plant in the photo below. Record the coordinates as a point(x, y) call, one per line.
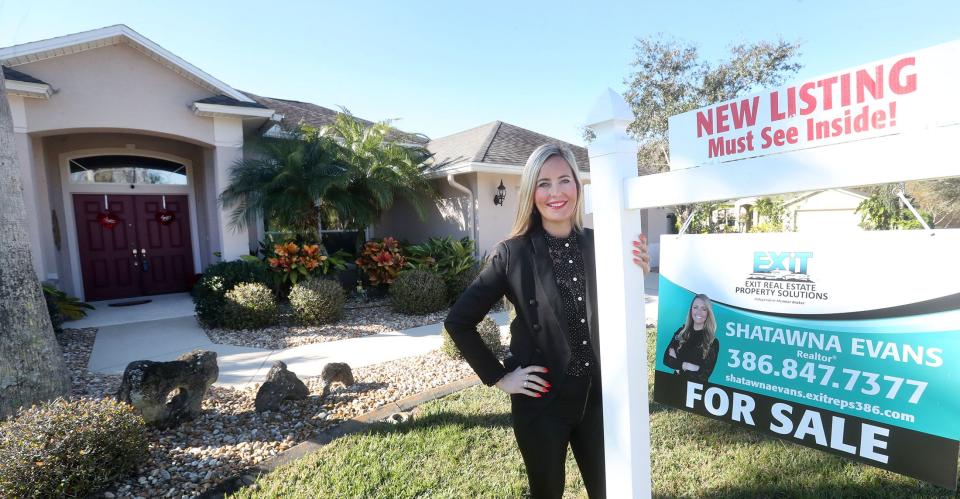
point(292, 262)
point(382, 260)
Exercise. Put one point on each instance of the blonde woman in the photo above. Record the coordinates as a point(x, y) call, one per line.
point(693, 350)
point(546, 269)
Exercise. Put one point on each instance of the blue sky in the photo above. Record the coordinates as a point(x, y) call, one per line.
point(445, 66)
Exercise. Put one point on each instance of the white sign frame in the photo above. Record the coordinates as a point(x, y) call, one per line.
point(617, 197)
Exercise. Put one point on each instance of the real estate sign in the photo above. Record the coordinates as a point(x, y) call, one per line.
point(909, 92)
point(849, 343)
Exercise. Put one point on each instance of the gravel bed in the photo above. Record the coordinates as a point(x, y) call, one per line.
point(229, 436)
point(359, 319)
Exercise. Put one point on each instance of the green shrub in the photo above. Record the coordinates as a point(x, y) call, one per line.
point(70, 448)
point(457, 284)
point(452, 259)
point(209, 294)
point(317, 301)
point(489, 333)
point(418, 292)
point(249, 305)
point(62, 307)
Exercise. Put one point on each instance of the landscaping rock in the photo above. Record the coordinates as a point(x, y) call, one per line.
point(280, 385)
point(398, 418)
point(169, 393)
point(336, 372)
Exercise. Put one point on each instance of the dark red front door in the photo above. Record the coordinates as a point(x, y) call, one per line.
point(138, 256)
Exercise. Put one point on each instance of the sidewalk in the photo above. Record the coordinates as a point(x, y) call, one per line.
point(167, 328)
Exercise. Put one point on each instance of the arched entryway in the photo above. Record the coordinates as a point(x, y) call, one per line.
point(134, 225)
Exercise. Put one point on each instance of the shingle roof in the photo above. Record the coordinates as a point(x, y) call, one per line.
point(295, 112)
point(224, 100)
point(14, 75)
point(497, 143)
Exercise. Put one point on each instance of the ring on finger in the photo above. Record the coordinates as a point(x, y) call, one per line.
point(524, 384)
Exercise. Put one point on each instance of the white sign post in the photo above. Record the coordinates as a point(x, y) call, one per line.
point(887, 121)
point(620, 298)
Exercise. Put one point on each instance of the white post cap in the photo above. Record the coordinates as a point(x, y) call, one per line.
point(610, 113)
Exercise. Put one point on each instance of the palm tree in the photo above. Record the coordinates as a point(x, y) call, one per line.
point(32, 368)
point(345, 174)
point(379, 171)
point(283, 180)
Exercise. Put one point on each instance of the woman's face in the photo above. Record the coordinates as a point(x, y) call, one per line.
point(556, 194)
point(699, 312)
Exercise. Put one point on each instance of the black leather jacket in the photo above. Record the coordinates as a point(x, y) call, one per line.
point(521, 269)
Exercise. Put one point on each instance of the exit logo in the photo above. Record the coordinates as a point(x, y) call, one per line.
point(781, 262)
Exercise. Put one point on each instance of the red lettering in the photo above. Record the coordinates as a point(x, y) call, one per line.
point(792, 102)
point(775, 113)
point(779, 137)
point(873, 85)
point(845, 90)
point(704, 123)
point(809, 100)
point(910, 85)
point(722, 118)
point(827, 85)
point(746, 113)
point(715, 147)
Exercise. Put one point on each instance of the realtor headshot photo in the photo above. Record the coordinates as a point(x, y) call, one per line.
point(693, 350)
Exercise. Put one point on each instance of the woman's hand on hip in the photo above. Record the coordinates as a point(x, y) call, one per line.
point(641, 254)
point(690, 366)
point(522, 380)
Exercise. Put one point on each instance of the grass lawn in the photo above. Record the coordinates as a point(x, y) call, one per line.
point(462, 446)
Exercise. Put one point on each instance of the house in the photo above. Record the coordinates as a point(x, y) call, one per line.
point(829, 210)
point(124, 148)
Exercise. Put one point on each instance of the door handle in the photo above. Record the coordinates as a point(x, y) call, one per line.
point(136, 259)
point(143, 258)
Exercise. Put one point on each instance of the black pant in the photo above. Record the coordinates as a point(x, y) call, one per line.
point(574, 417)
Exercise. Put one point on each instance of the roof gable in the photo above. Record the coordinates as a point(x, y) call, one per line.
point(496, 143)
point(11, 74)
point(296, 112)
point(115, 35)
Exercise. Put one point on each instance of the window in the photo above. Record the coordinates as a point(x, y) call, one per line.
point(126, 170)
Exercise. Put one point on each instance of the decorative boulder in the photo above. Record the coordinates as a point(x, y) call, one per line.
point(280, 385)
point(169, 393)
point(336, 372)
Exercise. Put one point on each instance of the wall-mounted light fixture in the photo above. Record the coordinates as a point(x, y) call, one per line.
point(500, 195)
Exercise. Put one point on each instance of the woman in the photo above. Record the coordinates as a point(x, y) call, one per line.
point(693, 350)
point(546, 269)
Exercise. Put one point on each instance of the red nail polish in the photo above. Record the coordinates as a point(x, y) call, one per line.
point(538, 395)
point(546, 370)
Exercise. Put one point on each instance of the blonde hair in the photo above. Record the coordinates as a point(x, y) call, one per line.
point(527, 214)
point(709, 326)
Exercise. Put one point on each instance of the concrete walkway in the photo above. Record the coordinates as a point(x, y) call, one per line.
point(166, 328)
point(166, 339)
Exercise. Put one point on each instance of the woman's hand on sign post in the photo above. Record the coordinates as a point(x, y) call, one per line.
point(522, 381)
point(641, 254)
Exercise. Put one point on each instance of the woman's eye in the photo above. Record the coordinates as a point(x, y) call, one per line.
point(543, 184)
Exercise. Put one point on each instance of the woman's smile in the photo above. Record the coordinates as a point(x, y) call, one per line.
point(556, 205)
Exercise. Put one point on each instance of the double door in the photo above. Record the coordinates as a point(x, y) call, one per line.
point(142, 254)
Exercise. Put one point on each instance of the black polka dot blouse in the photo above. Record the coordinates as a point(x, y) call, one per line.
point(568, 270)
